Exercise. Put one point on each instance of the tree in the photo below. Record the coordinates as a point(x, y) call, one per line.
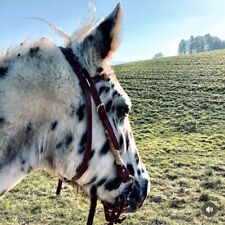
point(208, 43)
point(182, 49)
point(192, 47)
point(158, 55)
point(200, 44)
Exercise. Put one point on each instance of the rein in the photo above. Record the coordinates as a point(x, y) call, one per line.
point(87, 83)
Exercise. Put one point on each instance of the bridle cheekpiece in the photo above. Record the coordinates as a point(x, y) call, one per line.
point(87, 83)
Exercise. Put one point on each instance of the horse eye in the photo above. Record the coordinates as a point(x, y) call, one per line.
point(122, 111)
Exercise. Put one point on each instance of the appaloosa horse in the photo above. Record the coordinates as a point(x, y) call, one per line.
point(63, 110)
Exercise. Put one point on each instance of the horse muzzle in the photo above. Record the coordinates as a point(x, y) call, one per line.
point(135, 195)
point(128, 201)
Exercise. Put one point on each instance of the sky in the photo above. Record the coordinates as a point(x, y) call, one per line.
point(149, 26)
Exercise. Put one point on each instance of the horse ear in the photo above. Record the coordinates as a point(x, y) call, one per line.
point(105, 37)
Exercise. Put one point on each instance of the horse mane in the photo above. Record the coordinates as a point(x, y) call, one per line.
point(85, 27)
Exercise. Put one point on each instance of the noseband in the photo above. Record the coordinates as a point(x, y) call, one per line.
point(87, 83)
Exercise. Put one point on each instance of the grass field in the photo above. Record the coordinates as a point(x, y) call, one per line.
point(179, 125)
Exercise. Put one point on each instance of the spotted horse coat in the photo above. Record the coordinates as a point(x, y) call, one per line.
point(43, 115)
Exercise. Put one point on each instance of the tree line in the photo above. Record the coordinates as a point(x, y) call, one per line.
point(200, 44)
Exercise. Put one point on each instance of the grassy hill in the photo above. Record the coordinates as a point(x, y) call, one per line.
point(179, 122)
point(179, 125)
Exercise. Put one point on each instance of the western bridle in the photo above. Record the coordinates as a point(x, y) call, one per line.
point(87, 83)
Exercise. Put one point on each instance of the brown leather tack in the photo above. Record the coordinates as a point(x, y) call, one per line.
point(123, 173)
point(87, 83)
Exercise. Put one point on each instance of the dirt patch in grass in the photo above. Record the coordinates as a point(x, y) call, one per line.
point(204, 198)
point(177, 203)
point(212, 184)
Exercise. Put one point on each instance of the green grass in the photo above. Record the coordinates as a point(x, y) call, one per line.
point(179, 125)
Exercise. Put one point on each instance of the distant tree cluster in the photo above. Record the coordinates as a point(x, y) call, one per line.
point(158, 55)
point(200, 44)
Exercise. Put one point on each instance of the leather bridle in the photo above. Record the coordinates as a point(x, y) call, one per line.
point(87, 83)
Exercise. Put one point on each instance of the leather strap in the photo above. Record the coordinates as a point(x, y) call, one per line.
point(92, 210)
point(70, 57)
point(59, 187)
point(103, 114)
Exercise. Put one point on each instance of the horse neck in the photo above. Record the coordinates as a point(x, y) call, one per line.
point(40, 118)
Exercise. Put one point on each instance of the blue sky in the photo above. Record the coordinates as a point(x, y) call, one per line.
point(149, 26)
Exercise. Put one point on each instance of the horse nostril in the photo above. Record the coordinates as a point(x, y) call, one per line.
point(144, 188)
point(122, 197)
point(137, 184)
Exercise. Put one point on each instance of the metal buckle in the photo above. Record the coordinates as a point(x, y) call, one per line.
point(88, 83)
point(100, 105)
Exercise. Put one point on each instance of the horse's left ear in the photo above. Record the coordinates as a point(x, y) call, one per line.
point(105, 37)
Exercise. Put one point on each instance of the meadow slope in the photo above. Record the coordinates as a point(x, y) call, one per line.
point(179, 125)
